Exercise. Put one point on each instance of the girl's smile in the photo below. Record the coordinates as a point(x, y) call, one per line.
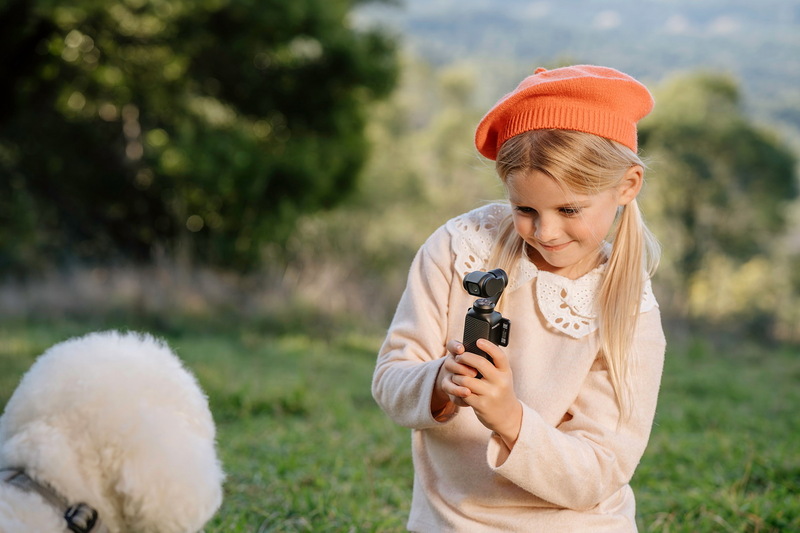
point(554, 247)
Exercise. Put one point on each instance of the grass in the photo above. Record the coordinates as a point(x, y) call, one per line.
point(725, 451)
point(306, 449)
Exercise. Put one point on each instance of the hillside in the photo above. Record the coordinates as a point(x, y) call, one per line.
point(756, 42)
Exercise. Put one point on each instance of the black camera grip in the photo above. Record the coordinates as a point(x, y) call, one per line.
point(474, 329)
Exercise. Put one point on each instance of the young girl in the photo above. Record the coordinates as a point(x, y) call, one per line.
point(548, 437)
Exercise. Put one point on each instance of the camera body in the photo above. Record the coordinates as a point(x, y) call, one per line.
point(482, 321)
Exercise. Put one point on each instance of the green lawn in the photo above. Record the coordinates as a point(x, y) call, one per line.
point(306, 449)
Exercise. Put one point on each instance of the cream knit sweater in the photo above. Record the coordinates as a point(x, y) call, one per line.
point(570, 467)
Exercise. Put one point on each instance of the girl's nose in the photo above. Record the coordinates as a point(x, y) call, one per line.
point(546, 229)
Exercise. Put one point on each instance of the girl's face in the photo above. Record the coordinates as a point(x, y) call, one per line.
point(565, 230)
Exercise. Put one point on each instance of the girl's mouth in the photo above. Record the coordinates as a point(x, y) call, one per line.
point(554, 247)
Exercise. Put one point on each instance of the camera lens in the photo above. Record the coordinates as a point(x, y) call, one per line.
point(474, 289)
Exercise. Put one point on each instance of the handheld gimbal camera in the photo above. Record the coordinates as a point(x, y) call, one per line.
point(482, 321)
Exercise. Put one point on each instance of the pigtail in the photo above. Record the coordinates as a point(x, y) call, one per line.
point(634, 258)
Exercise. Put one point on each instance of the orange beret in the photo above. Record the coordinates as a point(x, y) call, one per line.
point(587, 98)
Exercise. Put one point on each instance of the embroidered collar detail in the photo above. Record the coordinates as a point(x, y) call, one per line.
point(567, 304)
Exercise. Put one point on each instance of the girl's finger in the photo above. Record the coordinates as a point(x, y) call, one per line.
point(452, 388)
point(454, 367)
point(498, 355)
point(478, 363)
point(455, 347)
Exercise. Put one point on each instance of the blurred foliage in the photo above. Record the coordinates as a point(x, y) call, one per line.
point(204, 127)
point(718, 196)
point(723, 182)
point(423, 170)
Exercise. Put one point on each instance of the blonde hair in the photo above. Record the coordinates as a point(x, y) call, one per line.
point(588, 164)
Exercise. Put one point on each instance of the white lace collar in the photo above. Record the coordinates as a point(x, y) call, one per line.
point(567, 304)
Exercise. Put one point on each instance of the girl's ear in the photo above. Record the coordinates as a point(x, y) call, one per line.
point(630, 185)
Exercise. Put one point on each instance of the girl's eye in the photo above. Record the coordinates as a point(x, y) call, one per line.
point(570, 211)
point(524, 210)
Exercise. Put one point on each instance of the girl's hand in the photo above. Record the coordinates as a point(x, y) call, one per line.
point(446, 391)
point(492, 397)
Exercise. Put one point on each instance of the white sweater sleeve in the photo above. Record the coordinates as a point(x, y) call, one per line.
point(588, 456)
point(413, 351)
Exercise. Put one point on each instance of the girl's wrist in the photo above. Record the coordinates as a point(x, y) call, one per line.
point(443, 413)
point(438, 400)
point(509, 432)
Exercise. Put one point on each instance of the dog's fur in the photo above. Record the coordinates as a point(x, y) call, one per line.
point(114, 421)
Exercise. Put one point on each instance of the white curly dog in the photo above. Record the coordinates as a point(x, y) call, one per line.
point(108, 433)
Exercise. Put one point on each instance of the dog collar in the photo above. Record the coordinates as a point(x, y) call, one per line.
point(80, 518)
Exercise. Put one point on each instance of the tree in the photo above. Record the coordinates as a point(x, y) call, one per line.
point(719, 185)
point(212, 124)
